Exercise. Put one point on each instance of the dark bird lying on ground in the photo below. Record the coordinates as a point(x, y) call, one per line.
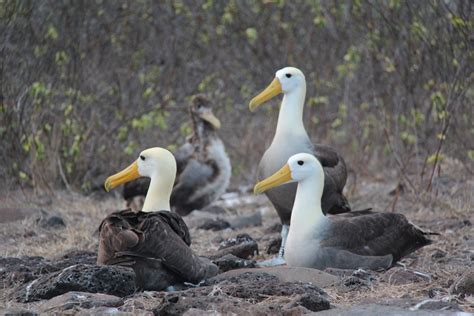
point(154, 242)
point(203, 167)
point(364, 240)
point(291, 138)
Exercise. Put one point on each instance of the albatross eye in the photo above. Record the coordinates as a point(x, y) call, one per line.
point(300, 162)
point(142, 157)
point(288, 75)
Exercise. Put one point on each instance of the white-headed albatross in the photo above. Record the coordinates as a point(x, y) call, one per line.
point(291, 138)
point(203, 167)
point(154, 242)
point(366, 240)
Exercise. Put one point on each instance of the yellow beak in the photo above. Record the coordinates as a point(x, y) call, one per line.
point(126, 175)
point(280, 177)
point(209, 117)
point(272, 90)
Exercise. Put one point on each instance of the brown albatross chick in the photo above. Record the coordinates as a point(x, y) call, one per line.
point(203, 167)
point(154, 242)
point(367, 240)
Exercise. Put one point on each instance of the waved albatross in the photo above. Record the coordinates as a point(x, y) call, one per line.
point(203, 167)
point(154, 242)
point(366, 240)
point(291, 138)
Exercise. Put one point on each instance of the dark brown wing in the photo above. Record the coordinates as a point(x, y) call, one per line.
point(335, 179)
point(126, 237)
point(177, 224)
point(376, 234)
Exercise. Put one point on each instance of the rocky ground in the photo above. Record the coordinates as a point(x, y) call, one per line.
point(49, 243)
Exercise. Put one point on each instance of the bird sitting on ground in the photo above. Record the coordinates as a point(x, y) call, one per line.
point(203, 166)
point(366, 240)
point(154, 241)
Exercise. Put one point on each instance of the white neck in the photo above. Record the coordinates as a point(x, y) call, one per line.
point(307, 213)
point(158, 196)
point(290, 119)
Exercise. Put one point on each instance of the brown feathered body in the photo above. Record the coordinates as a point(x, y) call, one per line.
point(155, 245)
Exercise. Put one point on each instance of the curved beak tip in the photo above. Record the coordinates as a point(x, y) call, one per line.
point(256, 190)
point(107, 185)
point(252, 105)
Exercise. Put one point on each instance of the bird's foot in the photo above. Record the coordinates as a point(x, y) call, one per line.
point(277, 261)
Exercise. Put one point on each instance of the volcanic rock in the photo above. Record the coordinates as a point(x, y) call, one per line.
point(114, 280)
point(231, 262)
point(74, 299)
point(242, 246)
point(245, 293)
point(25, 269)
point(214, 224)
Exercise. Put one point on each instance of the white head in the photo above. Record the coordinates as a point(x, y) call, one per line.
point(298, 168)
point(159, 165)
point(157, 162)
point(286, 81)
point(290, 78)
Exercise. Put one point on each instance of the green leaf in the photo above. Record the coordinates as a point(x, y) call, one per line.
point(252, 34)
point(23, 176)
point(52, 33)
point(434, 158)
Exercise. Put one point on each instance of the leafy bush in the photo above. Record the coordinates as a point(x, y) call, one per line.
point(87, 84)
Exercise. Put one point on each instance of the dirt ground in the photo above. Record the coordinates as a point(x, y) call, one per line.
point(448, 210)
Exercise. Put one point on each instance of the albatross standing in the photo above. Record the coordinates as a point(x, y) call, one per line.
point(369, 240)
point(154, 242)
point(291, 138)
point(203, 167)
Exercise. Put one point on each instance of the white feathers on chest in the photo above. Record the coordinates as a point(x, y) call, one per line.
point(216, 152)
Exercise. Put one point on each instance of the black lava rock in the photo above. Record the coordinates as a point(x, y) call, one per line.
point(25, 269)
point(245, 293)
point(313, 302)
point(231, 262)
point(214, 224)
point(242, 246)
point(113, 280)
